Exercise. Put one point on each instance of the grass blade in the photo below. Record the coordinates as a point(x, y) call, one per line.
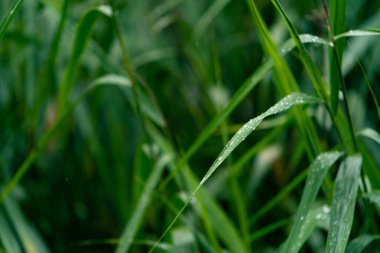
point(44, 140)
point(286, 82)
point(358, 33)
point(7, 20)
point(371, 134)
point(137, 216)
point(343, 205)
point(208, 17)
point(283, 105)
point(318, 171)
point(358, 244)
point(337, 15)
point(81, 38)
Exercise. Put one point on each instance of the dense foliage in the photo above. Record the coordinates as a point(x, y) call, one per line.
point(189, 126)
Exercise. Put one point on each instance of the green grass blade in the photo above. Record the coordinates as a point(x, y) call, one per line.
point(29, 238)
point(316, 217)
point(337, 15)
point(44, 140)
point(268, 229)
point(312, 70)
point(7, 20)
point(317, 173)
point(208, 17)
point(373, 197)
point(343, 205)
point(360, 243)
point(283, 105)
point(137, 216)
point(82, 35)
point(280, 196)
point(286, 82)
point(371, 134)
point(357, 33)
point(244, 90)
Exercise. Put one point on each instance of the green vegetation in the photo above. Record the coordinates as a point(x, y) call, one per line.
point(189, 126)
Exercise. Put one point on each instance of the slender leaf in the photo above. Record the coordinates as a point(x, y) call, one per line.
point(137, 216)
point(360, 243)
point(373, 197)
point(283, 105)
point(343, 205)
point(82, 34)
point(8, 18)
point(209, 16)
point(371, 134)
point(337, 11)
point(317, 173)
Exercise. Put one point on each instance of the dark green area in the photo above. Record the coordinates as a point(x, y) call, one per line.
point(115, 115)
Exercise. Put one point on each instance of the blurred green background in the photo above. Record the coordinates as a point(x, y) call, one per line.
point(170, 67)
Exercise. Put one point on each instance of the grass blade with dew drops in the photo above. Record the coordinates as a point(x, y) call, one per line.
point(8, 18)
point(137, 216)
point(360, 243)
point(343, 205)
point(82, 35)
point(317, 173)
point(206, 19)
point(283, 105)
point(239, 96)
point(286, 82)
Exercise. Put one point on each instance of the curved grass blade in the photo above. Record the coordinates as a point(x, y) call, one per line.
point(208, 17)
point(7, 20)
point(136, 218)
point(286, 83)
point(371, 134)
point(358, 33)
point(212, 213)
point(360, 243)
point(373, 197)
point(44, 140)
point(82, 35)
point(238, 96)
point(343, 205)
point(317, 173)
point(283, 105)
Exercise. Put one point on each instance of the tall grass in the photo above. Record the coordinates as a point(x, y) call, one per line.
point(189, 126)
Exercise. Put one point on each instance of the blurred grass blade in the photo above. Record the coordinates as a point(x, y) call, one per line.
point(312, 70)
point(360, 243)
point(316, 217)
point(371, 134)
point(82, 35)
point(337, 23)
point(44, 140)
point(276, 199)
point(358, 33)
point(283, 105)
point(8, 18)
point(137, 216)
point(373, 197)
point(208, 17)
point(28, 236)
point(343, 205)
point(317, 173)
